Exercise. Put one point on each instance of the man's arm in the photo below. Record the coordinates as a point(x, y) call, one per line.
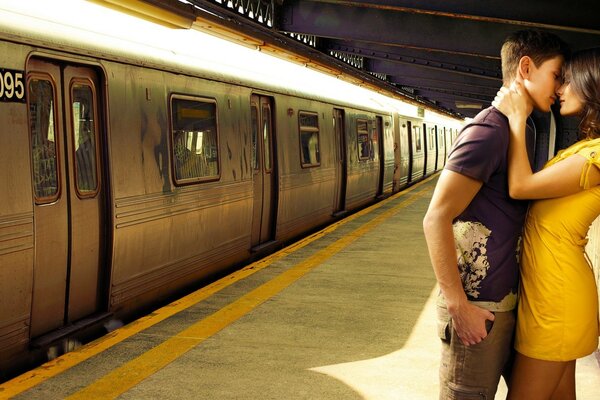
point(452, 195)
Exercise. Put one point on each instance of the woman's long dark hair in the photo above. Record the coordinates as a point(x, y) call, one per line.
point(584, 71)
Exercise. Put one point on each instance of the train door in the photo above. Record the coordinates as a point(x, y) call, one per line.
point(402, 152)
point(417, 151)
point(378, 137)
point(430, 149)
point(448, 142)
point(69, 200)
point(341, 170)
point(411, 154)
point(264, 171)
point(441, 148)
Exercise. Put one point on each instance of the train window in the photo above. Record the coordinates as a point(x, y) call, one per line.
point(254, 116)
point(417, 137)
point(84, 139)
point(309, 139)
point(375, 137)
point(364, 142)
point(266, 114)
point(194, 140)
point(43, 140)
point(431, 138)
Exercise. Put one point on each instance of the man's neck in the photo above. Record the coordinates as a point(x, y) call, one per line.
point(530, 106)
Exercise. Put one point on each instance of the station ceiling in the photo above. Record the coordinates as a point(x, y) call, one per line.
point(441, 54)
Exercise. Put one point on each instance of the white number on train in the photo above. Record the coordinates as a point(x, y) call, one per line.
point(12, 87)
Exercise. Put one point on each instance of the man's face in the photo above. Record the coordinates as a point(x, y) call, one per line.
point(543, 82)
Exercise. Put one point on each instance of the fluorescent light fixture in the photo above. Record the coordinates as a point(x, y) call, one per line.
point(75, 24)
point(474, 106)
point(177, 15)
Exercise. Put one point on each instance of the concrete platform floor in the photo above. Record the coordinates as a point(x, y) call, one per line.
point(348, 313)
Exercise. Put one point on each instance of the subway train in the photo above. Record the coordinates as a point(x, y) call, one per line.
point(134, 166)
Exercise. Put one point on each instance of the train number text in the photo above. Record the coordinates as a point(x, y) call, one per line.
point(12, 87)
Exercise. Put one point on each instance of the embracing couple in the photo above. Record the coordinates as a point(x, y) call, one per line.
point(518, 297)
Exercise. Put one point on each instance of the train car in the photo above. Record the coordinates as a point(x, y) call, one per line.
point(132, 171)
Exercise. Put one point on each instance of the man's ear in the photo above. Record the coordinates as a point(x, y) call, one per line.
point(524, 67)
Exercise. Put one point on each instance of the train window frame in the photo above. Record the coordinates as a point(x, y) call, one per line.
point(267, 140)
point(254, 119)
point(203, 178)
point(91, 193)
point(431, 138)
point(57, 137)
point(417, 138)
point(303, 129)
point(363, 136)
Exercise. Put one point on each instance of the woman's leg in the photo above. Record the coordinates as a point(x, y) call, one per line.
point(534, 379)
point(566, 387)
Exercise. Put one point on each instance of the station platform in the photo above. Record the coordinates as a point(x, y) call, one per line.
point(346, 313)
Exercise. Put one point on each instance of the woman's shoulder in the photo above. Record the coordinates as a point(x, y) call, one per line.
point(589, 148)
point(585, 147)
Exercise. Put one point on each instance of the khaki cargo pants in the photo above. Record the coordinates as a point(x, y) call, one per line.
point(473, 372)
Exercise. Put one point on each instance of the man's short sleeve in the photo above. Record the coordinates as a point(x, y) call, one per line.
point(478, 152)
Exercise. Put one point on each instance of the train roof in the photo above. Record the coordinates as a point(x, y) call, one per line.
point(85, 28)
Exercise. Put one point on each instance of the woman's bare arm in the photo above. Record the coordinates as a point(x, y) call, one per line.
point(560, 179)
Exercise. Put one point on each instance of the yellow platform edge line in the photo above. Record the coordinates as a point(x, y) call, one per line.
point(132, 373)
point(59, 365)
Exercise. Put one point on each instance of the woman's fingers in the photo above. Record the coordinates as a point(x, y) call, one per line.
point(517, 87)
point(503, 91)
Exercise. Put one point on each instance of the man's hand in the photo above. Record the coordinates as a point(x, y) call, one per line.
point(469, 322)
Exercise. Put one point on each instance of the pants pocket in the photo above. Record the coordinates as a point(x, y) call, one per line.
point(444, 324)
point(462, 392)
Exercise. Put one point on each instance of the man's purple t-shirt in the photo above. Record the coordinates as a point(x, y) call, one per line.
point(488, 232)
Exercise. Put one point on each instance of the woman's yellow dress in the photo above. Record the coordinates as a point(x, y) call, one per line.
point(558, 305)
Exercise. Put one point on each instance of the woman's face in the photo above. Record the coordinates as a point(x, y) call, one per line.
point(570, 102)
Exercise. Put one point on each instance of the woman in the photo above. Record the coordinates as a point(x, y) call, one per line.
point(558, 306)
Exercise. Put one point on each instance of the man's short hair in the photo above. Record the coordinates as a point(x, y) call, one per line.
point(538, 45)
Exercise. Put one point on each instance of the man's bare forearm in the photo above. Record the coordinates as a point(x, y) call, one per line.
point(442, 252)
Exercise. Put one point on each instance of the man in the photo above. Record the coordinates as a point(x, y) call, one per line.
point(473, 229)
